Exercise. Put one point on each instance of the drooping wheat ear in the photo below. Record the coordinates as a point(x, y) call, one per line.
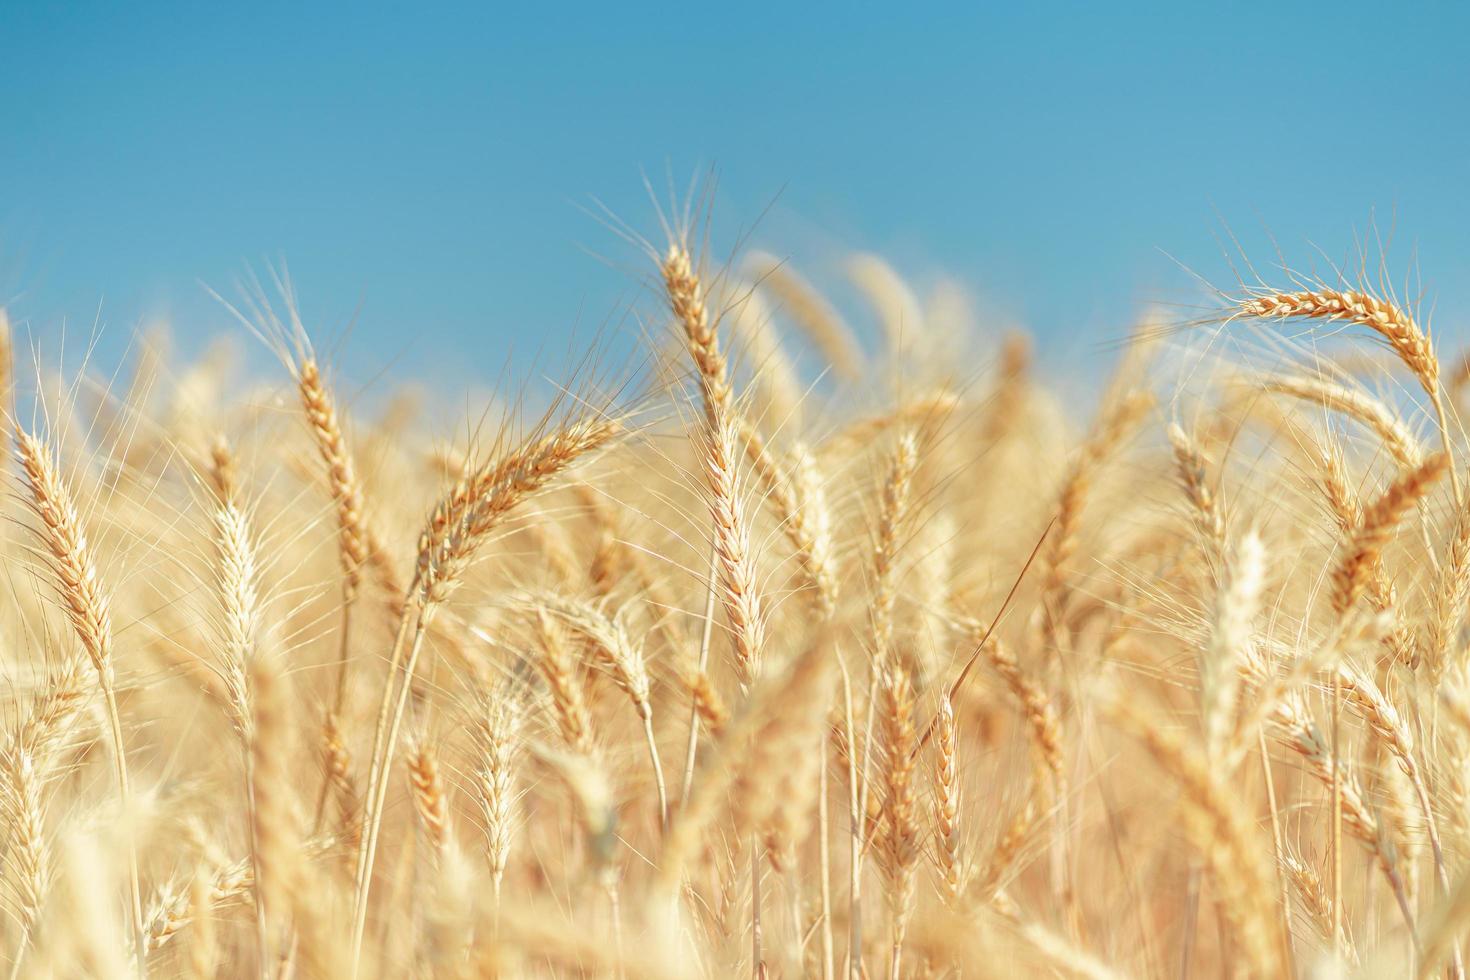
point(822, 323)
point(1364, 547)
point(86, 605)
point(739, 589)
point(893, 519)
point(612, 646)
point(1207, 513)
point(1371, 412)
point(1317, 903)
point(1395, 326)
point(794, 491)
point(331, 444)
point(1223, 832)
point(1236, 603)
point(948, 853)
point(898, 840)
point(614, 649)
point(495, 782)
point(430, 798)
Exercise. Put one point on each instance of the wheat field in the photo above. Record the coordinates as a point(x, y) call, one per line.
point(794, 649)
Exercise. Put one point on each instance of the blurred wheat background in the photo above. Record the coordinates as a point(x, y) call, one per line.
point(904, 535)
point(714, 666)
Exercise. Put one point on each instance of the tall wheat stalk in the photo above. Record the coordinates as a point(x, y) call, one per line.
point(458, 527)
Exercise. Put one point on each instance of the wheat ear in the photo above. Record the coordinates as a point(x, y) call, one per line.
point(559, 669)
point(28, 857)
point(237, 587)
point(87, 607)
point(1364, 547)
point(430, 797)
point(739, 591)
point(795, 494)
point(1395, 326)
point(495, 782)
point(1209, 517)
point(898, 849)
point(1318, 905)
point(1370, 412)
point(948, 856)
point(1446, 614)
point(893, 514)
point(614, 649)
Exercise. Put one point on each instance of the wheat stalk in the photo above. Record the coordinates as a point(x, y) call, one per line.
point(465, 517)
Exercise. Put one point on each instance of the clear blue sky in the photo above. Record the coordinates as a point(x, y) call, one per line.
point(423, 169)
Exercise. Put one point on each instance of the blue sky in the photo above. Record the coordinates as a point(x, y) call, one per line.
point(424, 169)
